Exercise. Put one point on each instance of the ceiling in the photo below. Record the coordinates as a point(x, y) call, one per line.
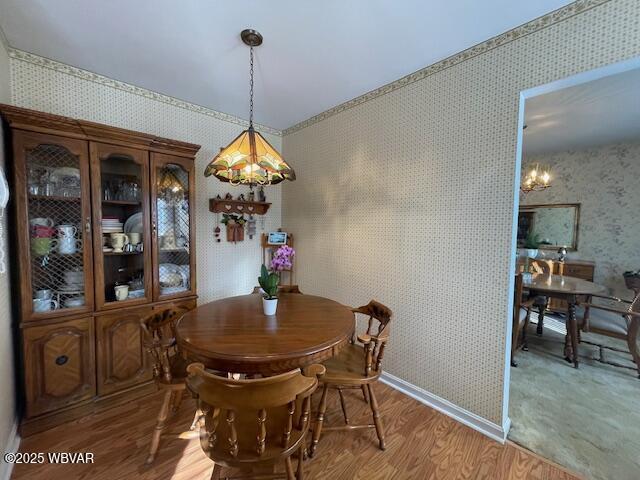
point(316, 55)
point(595, 113)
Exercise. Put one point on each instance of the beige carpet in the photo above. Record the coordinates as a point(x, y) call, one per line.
point(587, 419)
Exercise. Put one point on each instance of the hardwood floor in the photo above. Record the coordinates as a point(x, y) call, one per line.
point(421, 444)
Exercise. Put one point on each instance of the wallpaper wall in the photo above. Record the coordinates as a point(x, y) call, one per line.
point(604, 181)
point(406, 195)
point(225, 268)
point(7, 401)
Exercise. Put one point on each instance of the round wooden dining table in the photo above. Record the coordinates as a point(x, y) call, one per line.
point(234, 335)
point(567, 289)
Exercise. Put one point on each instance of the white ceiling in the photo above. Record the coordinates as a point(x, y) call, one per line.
point(599, 112)
point(316, 54)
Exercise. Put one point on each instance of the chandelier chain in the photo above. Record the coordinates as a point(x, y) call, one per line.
point(251, 87)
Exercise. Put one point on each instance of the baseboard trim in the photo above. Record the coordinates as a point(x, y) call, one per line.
point(490, 429)
point(13, 444)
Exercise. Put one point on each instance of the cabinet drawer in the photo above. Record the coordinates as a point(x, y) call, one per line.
point(122, 359)
point(59, 365)
point(584, 272)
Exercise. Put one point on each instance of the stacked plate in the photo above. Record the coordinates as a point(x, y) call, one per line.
point(111, 225)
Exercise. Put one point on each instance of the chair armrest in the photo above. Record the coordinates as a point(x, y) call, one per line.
point(612, 310)
point(608, 297)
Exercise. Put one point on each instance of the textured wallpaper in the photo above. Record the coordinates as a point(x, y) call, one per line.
point(224, 269)
point(407, 197)
point(604, 181)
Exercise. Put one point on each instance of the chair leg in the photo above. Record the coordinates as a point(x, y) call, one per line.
point(160, 424)
point(300, 462)
point(540, 327)
point(525, 345)
point(177, 401)
point(376, 417)
point(344, 407)
point(317, 428)
point(196, 415)
point(365, 393)
point(289, 467)
point(217, 471)
point(633, 341)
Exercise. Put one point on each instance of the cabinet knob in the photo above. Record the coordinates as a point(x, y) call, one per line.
point(87, 225)
point(62, 359)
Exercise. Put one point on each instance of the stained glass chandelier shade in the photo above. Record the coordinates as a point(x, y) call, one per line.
point(249, 159)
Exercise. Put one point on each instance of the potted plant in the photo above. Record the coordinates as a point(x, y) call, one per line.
point(531, 244)
point(282, 260)
point(269, 281)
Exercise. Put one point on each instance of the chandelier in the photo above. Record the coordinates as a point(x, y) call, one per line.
point(536, 179)
point(249, 159)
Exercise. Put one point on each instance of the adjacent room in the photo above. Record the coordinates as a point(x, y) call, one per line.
point(369, 239)
point(578, 248)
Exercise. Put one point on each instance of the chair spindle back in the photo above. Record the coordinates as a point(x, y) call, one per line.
point(252, 419)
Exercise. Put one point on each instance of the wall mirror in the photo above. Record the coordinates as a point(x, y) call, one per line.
point(554, 225)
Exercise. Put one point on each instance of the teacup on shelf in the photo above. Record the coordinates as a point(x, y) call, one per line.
point(122, 292)
point(134, 238)
point(118, 241)
point(44, 305)
point(43, 245)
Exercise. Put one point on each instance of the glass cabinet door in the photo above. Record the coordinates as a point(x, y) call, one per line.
point(120, 177)
point(172, 180)
point(54, 224)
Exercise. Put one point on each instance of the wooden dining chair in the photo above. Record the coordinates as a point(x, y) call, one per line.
point(537, 265)
point(520, 318)
point(358, 365)
point(254, 424)
point(169, 368)
point(617, 319)
point(282, 289)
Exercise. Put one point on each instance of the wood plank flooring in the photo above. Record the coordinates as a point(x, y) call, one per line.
point(421, 444)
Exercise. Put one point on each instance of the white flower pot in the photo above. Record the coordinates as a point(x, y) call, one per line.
point(269, 306)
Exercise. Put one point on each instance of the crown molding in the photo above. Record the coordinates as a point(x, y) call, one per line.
point(60, 67)
point(552, 18)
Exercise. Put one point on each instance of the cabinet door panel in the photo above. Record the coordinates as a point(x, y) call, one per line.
point(59, 365)
point(122, 359)
point(53, 208)
point(173, 230)
point(181, 306)
point(122, 245)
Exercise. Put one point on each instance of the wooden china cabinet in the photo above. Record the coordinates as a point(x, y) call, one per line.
point(104, 236)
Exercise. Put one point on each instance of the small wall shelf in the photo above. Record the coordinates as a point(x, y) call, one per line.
point(217, 205)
